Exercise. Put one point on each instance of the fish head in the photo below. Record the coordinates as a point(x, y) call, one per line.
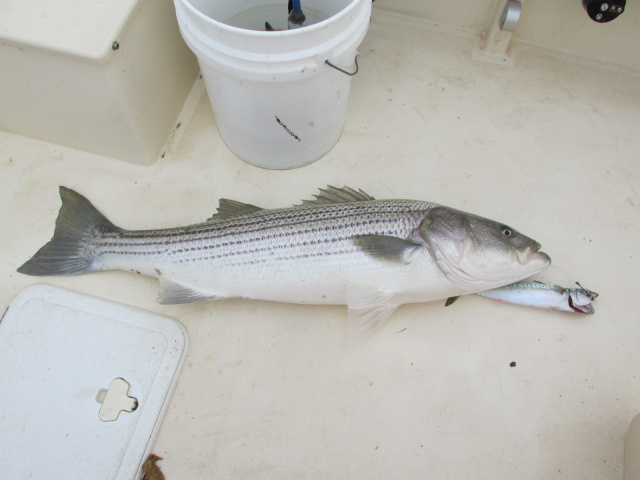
point(477, 253)
point(580, 300)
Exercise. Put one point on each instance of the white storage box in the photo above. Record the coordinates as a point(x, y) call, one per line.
point(64, 80)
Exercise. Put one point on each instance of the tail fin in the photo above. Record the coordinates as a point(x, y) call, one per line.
point(67, 253)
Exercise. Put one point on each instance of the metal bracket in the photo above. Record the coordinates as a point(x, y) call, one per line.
point(493, 45)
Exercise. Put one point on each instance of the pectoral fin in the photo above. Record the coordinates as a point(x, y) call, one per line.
point(368, 310)
point(173, 293)
point(388, 248)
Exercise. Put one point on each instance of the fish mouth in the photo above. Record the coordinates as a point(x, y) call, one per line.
point(532, 253)
point(586, 309)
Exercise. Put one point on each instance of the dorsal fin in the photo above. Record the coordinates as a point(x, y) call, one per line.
point(338, 195)
point(230, 208)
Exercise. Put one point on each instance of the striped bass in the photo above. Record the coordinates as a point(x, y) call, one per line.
point(343, 247)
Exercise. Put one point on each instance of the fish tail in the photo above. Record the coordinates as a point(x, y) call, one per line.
point(69, 252)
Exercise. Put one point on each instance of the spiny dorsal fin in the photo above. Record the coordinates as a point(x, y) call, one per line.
point(338, 195)
point(231, 208)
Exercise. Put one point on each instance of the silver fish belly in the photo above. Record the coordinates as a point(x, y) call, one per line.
point(344, 247)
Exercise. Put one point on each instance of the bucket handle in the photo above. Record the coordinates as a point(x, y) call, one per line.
point(341, 70)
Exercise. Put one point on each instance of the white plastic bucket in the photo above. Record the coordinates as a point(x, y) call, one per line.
point(277, 103)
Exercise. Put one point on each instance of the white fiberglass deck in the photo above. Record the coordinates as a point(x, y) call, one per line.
point(549, 146)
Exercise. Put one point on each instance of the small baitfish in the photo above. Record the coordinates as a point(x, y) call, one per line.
point(343, 247)
point(541, 295)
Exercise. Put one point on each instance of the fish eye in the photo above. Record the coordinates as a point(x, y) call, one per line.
point(506, 231)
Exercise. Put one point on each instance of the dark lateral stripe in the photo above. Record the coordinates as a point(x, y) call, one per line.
point(255, 261)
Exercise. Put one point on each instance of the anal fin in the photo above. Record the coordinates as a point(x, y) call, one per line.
point(172, 293)
point(368, 310)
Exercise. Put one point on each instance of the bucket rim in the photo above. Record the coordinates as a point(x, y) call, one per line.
point(266, 34)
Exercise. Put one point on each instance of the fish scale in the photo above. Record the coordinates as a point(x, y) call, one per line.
point(296, 234)
point(342, 248)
